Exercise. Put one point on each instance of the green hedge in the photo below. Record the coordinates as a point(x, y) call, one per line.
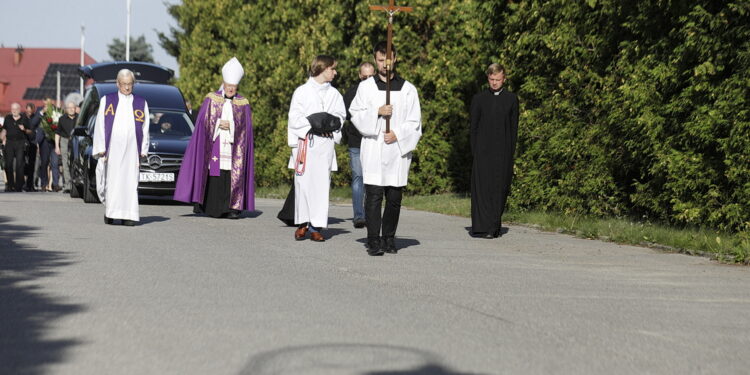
point(629, 108)
point(634, 108)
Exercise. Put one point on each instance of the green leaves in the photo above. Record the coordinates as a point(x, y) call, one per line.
point(634, 109)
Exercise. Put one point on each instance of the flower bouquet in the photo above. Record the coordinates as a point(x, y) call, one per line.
point(50, 116)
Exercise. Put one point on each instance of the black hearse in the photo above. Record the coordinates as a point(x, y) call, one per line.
point(170, 128)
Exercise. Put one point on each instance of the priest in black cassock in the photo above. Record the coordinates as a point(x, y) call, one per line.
point(494, 130)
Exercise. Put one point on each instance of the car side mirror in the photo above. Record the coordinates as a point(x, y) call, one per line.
point(80, 131)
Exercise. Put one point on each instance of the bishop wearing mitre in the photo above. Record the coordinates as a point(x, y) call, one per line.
point(217, 172)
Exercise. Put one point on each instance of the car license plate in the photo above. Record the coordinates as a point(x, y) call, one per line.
point(157, 177)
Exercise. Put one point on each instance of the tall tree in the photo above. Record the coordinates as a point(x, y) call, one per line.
point(171, 42)
point(140, 50)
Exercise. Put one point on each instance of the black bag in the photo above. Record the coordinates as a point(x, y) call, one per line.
point(324, 123)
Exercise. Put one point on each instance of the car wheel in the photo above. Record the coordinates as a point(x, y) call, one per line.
point(75, 191)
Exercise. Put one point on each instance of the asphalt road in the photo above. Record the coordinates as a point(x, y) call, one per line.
point(184, 294)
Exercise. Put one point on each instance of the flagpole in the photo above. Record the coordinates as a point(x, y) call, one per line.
point(127, 34)
point(58, 90)
point(83, 40)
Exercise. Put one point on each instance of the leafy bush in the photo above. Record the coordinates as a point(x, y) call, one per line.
point(628, 108)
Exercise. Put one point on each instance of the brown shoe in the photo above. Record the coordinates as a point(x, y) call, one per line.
point(300, 233)
point(317, 237)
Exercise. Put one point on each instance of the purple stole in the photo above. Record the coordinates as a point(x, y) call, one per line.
point(139, 113)
point(214, 164)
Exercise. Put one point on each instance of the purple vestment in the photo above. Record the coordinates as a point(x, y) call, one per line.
point(196, 165)
point(139, 106)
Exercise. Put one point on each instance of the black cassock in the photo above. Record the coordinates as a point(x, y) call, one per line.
point(494, 130)
point(286, 215)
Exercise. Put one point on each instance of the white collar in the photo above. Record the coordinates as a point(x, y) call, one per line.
point(319, 86)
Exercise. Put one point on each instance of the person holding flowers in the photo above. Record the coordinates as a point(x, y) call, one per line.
point(48, 159)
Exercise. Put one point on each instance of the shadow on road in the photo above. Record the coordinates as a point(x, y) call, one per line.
point(337, 358)
point(150, 200)
point(26, 311)
point(251, 214)
point(152, 219)
point(422, 370)
point(335, 220)
point(244, 215)
point(401, 243)
point(333, 232)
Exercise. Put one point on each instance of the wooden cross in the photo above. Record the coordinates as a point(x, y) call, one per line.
point(391, 9)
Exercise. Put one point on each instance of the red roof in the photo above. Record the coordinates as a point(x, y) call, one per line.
point(16, 78)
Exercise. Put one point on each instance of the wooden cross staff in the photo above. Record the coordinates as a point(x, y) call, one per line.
point(391, 9)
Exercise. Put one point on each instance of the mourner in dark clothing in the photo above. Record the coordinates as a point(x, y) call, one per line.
point(494, 130)
point(15, 127)
point(47, 159)
point(31, 148)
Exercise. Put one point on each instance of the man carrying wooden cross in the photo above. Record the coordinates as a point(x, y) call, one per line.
point(385, 156)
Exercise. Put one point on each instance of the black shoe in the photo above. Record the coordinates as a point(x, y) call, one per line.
point(389, 245)
point(234, 215)
point(197, 209)
point(359, 223)
point(481, 235)
point(108, 220)
point(373, 247)
point(128, 223)
point(66, 191)
point(29, 189)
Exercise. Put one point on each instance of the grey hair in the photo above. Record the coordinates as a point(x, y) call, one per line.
point(125, 72)
point(71, 102)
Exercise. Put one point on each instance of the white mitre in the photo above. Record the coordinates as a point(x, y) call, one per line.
point(232, 71)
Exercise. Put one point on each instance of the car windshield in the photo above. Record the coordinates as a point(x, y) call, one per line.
point(169, 123)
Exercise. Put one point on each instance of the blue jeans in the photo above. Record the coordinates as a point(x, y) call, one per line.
point(358, 187)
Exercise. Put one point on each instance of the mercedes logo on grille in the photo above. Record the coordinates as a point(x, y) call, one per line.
point(154, 161)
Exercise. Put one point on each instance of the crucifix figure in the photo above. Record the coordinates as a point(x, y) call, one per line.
point(226, 142)
point(390, 10)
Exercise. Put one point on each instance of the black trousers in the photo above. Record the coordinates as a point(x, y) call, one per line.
point(14, 163)
point(388, 219)
point(286, 215)
point(30, 163)
point(218, 194)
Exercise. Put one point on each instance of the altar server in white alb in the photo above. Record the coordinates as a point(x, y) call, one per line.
point(315, 117)
point(120, 140)
point(385, 157)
